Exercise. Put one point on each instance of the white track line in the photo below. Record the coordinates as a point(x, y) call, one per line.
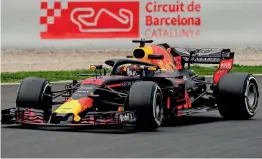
point(50, 82)
point(252, 74)
point(4, 84)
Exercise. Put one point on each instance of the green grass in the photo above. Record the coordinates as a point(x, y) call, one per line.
point(14, 77)
point(236, 68)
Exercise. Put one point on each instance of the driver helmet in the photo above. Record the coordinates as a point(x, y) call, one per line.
point(129, 70)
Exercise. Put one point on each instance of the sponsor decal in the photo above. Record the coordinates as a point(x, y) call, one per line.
point(75, 19)
point(202, 58)
point(127, 117)
point(226, 65)
point(93, 81)
point(176, 19)
point(128, 83)
point(202, 52)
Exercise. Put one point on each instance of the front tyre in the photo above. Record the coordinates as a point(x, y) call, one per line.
point(146, 98)
point(35, 93)
point(238, 96)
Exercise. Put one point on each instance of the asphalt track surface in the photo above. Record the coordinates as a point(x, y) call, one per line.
point(202, 135)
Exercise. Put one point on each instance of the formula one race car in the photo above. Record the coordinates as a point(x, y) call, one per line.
point(148, 87)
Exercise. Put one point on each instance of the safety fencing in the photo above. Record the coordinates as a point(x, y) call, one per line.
point(96, 24)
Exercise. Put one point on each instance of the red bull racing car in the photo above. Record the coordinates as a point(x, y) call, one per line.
point(150, 86)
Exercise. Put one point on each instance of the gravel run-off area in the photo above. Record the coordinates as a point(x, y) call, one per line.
point(13, 60)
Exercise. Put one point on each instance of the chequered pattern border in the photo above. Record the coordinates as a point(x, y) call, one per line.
point(51, 9)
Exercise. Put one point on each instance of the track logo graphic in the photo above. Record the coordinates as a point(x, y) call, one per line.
point(91, 26)
point(68, 19)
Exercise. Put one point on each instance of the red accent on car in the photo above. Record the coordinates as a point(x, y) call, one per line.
point(86, 103)
point(98, 81)
point(188, 103)
point(168, 103)
point(167, 62)
point(178, 62)
point(224, 67)
point(114, 85)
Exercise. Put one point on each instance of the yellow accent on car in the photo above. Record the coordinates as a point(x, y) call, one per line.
point(147, 50)
point(91, 94)
point(92, 67)
point(77, 118)
point(73, 107)
point(120, 109)
point(152, 68)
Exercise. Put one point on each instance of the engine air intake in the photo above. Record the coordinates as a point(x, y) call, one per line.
point(139, 53)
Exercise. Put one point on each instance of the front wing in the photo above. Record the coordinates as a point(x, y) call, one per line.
point(29, 117)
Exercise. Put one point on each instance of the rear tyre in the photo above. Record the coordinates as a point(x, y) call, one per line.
point(146, 98)
point(237, 96)
point(35, 93)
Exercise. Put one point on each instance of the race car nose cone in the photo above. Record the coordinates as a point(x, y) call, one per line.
point(70, 107)
point(62, 118)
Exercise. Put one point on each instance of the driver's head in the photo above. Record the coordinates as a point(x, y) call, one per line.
point(128, 69)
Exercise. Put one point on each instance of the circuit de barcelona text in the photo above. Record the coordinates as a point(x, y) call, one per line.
point(168, 20)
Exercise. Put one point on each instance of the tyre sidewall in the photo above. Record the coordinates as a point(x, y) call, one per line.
point(34, 99)
point(155, 93)
point(233, 96)
point(250, 81)
point(145, 98)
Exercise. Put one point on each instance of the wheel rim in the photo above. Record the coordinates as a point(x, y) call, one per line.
point(252, 96)
point(157, 107)
point(158, 112)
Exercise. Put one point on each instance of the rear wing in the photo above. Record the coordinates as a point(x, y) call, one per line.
point(222, 57)
point(202, 56)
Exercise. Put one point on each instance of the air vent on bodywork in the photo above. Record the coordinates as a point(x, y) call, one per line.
point(139, 53)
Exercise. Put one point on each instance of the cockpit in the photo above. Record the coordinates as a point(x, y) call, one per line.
point(133, 70)
point(128, 70)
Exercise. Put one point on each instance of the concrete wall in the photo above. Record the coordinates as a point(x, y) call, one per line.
point(224, 23)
